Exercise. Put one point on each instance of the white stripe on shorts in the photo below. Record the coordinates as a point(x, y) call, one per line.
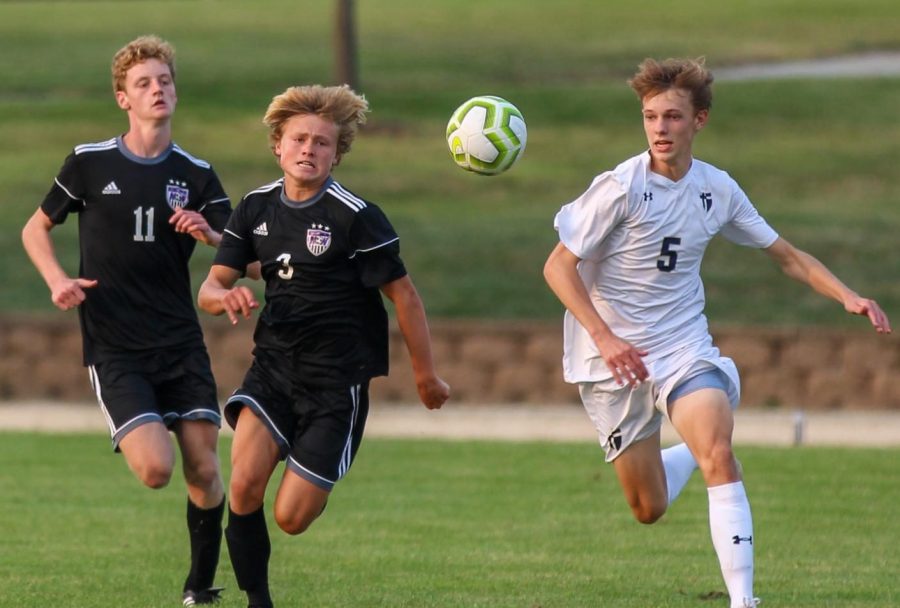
point(348, 446)
point(95, 384)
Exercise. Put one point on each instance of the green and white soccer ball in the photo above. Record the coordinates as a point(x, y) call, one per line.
point(486, 135)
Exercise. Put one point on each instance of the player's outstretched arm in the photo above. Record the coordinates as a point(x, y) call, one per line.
point(805, 268)
point(65, 292)
point(414, 326)
point(622, 358)
point(218, 294)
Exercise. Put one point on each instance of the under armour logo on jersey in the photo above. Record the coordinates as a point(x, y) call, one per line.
point(261, 230)
point(318, 239)
point(614, 441)
point(111, 188)
point(741, 539)
point(177, 194)
point(706, 199)
point(648, 196)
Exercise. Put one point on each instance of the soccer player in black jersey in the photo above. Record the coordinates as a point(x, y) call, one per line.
point(327, 256)
point(142, 204)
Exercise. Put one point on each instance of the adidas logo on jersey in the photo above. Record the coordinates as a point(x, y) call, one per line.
point(261, 230)
point(111, 188)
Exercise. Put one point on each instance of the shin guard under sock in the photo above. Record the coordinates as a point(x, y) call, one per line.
point(205, 530)
point(250, 548)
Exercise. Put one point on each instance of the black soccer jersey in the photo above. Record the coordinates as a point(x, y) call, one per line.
point(143, 299)
point(323, 261)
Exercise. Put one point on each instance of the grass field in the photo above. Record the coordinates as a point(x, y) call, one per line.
point(817, 157)
point(457, 525)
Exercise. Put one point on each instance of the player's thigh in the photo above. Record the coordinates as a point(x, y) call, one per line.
point(705, 421)
point(298, 502)
point(197, 440)
point(643, 478)
point(254, 456)
point(703, 418)
point(149, 453)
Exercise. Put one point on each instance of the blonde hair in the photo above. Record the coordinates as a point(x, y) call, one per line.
point(340, 104)
point(654, 77)
point(137, 51)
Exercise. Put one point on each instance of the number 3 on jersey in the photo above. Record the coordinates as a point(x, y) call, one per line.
point(286, 271)
point(668, 257)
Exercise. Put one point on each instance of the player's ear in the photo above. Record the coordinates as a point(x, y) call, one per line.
point(701, 118)
point(336, 161)
point(122, 100)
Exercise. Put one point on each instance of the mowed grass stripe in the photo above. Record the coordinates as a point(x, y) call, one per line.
point(456, 524)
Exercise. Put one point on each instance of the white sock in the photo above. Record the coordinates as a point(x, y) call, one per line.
point(679, 464)
point(731, 526)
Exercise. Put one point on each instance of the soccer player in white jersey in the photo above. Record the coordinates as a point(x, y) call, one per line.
point(636, 340)
point(327, 257)
point(143, 203)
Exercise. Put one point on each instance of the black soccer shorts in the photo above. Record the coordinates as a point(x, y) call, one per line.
point(162, 386)
point(318, 430)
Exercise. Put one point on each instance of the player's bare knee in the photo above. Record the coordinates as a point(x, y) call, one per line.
point(718, 461)
point(155, 476)
point(246, 492)
point(648, 514)
point(204, 475)
point(647, 509)
point(293, 523)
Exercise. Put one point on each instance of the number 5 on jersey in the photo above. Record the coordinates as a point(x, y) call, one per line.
point(668, 257)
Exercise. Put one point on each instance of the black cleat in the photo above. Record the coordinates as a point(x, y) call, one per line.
point(198, 598)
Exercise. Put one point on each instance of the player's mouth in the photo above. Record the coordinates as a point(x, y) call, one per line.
point(663, 145)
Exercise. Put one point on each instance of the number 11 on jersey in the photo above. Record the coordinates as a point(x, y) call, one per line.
point(143, 233)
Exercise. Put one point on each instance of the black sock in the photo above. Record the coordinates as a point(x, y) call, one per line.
point(205, 530)
point(250, 548)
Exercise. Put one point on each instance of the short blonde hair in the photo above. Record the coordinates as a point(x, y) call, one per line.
point(655, 77)
point(340, 104)
point(137, 51)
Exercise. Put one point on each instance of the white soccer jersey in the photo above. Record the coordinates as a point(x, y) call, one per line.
point(641, 239)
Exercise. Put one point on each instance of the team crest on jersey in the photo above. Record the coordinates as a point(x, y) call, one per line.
point(318, 239)
point(177, 194)
point(706, 199)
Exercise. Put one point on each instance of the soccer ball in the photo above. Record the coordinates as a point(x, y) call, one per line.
point(486, 135)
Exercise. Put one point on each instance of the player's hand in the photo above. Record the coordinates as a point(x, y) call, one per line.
point(193, 223)
point(433, 392)
point(239, 302)
point(69, 293)
point(623, 360)
point(869, 308)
